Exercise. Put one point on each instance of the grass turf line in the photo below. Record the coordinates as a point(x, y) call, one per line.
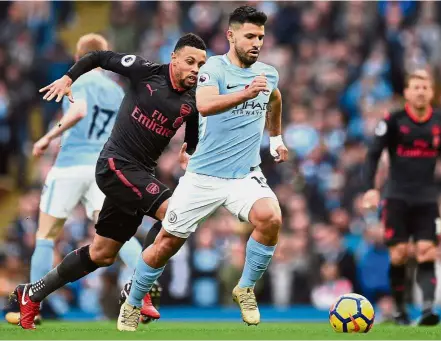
point(54, 330)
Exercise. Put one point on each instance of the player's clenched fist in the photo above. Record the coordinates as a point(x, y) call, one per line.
point(258, 84)
point(183, 157)
point(59, 88)
point(371, 199)
point(40, 146)
point(278, 149)
point(282, 154)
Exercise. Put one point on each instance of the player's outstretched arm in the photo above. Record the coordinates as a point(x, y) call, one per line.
point(210, 102)
point(59, 88)
point(274, 125)
point(130, 66)
point(74, 114)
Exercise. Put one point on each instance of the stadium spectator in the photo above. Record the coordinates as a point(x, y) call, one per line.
point(341, 65)
point(332, 286)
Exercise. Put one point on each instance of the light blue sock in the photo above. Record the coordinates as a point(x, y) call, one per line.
point(130, 252)
point(143, 280)
point(42, 259)
point(258, 256)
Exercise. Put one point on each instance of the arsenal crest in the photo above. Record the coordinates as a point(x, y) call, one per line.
point(185, 110)
point(436, 131)
point(152, 188)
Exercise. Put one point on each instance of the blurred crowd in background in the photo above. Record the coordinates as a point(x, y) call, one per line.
point(341, 66)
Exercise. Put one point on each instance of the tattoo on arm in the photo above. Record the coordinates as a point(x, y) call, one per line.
point(274, 113)
point(269, 110)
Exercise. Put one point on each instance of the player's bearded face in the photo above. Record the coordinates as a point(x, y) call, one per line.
point(247, 41)
point(419, 93)
point(186, 64)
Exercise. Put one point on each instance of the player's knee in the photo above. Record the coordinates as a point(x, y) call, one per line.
point(266, 213)
point(269, 219)
point(267, 222)
point(100, 256)
point(169, 246)
point(50, 231)
point(425, 252)
point(274, 221)
point(164, 247)
point(101, 259)
point(399, 254)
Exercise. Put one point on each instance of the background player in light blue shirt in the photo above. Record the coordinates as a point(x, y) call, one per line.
point(85, 127)
point(99, 98)
point(236, 95)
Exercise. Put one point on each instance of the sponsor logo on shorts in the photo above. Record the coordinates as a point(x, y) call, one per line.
point(172, 217)
point(152, 188)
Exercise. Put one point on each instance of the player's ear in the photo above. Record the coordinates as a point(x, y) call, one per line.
point(432, 94)
point(406, 93)
point(230, 36)
point(174, 57)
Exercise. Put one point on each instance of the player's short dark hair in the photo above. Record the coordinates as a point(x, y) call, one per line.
point(247, 14)
point(192, 40)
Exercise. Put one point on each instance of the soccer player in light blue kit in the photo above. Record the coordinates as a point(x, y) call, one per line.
point(235, 96)
point(85, 127)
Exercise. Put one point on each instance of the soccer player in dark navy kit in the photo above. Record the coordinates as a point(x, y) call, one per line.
point(412, 137)
point(160, 99)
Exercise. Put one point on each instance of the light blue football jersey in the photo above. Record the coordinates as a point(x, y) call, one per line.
point(229, 142)
point(82, 144)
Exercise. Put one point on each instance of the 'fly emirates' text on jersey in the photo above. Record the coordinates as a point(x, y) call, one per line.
point(152, 111)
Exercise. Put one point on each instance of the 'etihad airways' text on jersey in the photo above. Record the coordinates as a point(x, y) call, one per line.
point(229, 142)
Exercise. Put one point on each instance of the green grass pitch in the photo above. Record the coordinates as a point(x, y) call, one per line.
point(211, 331)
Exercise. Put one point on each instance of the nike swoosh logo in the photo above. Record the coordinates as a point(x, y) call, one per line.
point(232, 86)
point(23, 302)
point(356, 326)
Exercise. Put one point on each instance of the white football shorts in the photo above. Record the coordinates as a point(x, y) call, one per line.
point(198, 196)
point(66, 187)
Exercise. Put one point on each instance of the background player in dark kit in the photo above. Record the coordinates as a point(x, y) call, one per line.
point(160, 99)
point(412, 138)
